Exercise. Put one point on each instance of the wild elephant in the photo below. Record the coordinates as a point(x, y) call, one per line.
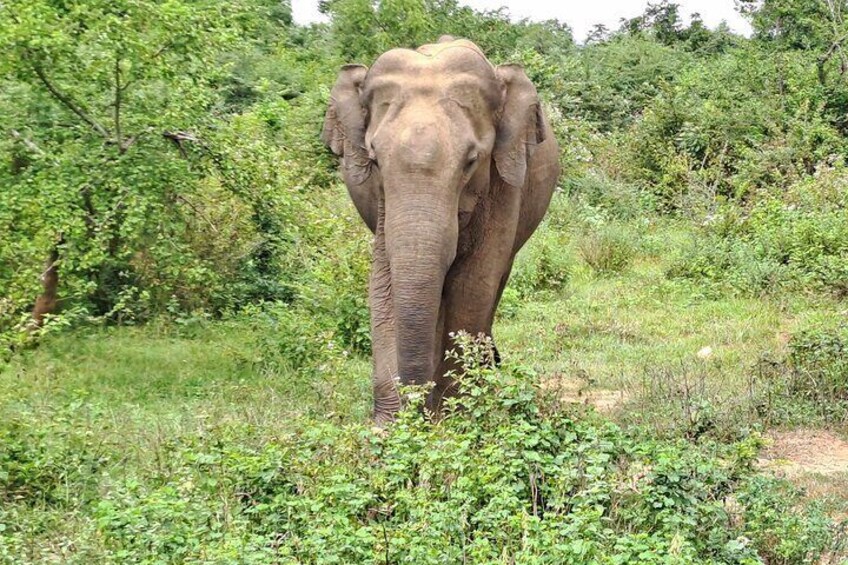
point(451, 163)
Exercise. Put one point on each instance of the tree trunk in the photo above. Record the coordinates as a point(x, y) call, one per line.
point(46, 302)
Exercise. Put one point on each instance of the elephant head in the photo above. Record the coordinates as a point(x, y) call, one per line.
point(433, 131)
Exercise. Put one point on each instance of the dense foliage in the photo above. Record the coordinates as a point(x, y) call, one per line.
point(509, 475)
point(162, 159)
point(160, 166)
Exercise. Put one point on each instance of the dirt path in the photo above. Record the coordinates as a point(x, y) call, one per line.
point(577, 391)
point(806, 452)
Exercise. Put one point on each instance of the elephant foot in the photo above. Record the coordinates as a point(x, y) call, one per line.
point(383, 420)
point(386, 405)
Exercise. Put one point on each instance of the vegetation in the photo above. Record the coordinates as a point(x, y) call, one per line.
point(184, 332)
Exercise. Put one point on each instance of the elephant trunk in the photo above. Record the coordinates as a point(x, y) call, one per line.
point(421, 232)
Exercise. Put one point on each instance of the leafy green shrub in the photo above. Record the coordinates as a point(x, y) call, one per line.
point(335, 287)
point(54, 466)
point(809, 384)
point(607, 249)
point(819, 356)
point(815, 376)
point(544, 265)
point(614, 81)
point(729, 263)
point(782, 535)
point(618, 199)
point(798, 241)
point(735, 140)
point(288, 338)
point(505, 474)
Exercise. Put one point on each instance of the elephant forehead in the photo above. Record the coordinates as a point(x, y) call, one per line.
point(432, 49)
point(461, 86)
point(427, 78)
point(456, 57)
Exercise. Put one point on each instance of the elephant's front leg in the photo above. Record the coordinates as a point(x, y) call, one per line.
point(474, 286)
point(472, 294)
point(384, 343)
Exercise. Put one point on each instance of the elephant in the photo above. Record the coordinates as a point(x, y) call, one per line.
point(452, 164)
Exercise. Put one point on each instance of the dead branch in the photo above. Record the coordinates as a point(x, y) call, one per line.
point(28, 143)
point(68, 101)
point(178, 137)
point(117, 113)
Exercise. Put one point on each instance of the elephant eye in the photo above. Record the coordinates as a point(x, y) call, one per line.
point(472, 159)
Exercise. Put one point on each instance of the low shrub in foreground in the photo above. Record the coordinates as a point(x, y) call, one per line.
point(506, 476)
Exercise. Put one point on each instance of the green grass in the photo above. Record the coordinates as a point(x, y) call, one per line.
point(135, 385)
point(95, 408)
point(640, 332)
point(96, 411)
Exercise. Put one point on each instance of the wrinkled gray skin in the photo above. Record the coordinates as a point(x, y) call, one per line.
point(451, 163)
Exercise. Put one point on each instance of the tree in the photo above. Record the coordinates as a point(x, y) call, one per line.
point(362, 29)
point(97, 97)
point(662, 20)
point(793, 24)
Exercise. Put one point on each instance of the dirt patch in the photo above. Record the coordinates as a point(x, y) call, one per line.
point(817, 462)
point(804, 452)
point(578, 391)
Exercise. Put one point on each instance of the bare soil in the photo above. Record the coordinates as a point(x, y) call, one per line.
point(578, 391)
point(803, 452)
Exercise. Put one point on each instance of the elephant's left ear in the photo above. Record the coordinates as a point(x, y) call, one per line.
point(521, 126)
point(344, 124)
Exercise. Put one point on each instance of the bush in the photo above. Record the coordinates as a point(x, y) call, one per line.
point(506, 473)
point(763, 129)
point(818, 363)
point(616, 198)
point(545, 264)
point(810, 383)
point(607, 249)
point(334, 289)
point(289, 339)
point(797, 242)
point(781, 535)
point(52, 467)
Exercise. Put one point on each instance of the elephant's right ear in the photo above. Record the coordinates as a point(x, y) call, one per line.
point(344, 124)
point(521, 127)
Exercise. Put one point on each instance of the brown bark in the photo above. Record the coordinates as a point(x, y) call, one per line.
point(47, 301)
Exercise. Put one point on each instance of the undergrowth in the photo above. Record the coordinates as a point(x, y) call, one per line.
point(507, 475)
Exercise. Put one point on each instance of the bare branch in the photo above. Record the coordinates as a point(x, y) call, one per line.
point(836, 47)
point(178, 137)
point(117, 114)
point(29, 144)
point(165, 46)
point(128, 142)
point(67, 101)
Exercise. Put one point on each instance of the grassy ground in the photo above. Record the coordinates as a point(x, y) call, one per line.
point(654, 338)
point(141, 384)
point(680, 358)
